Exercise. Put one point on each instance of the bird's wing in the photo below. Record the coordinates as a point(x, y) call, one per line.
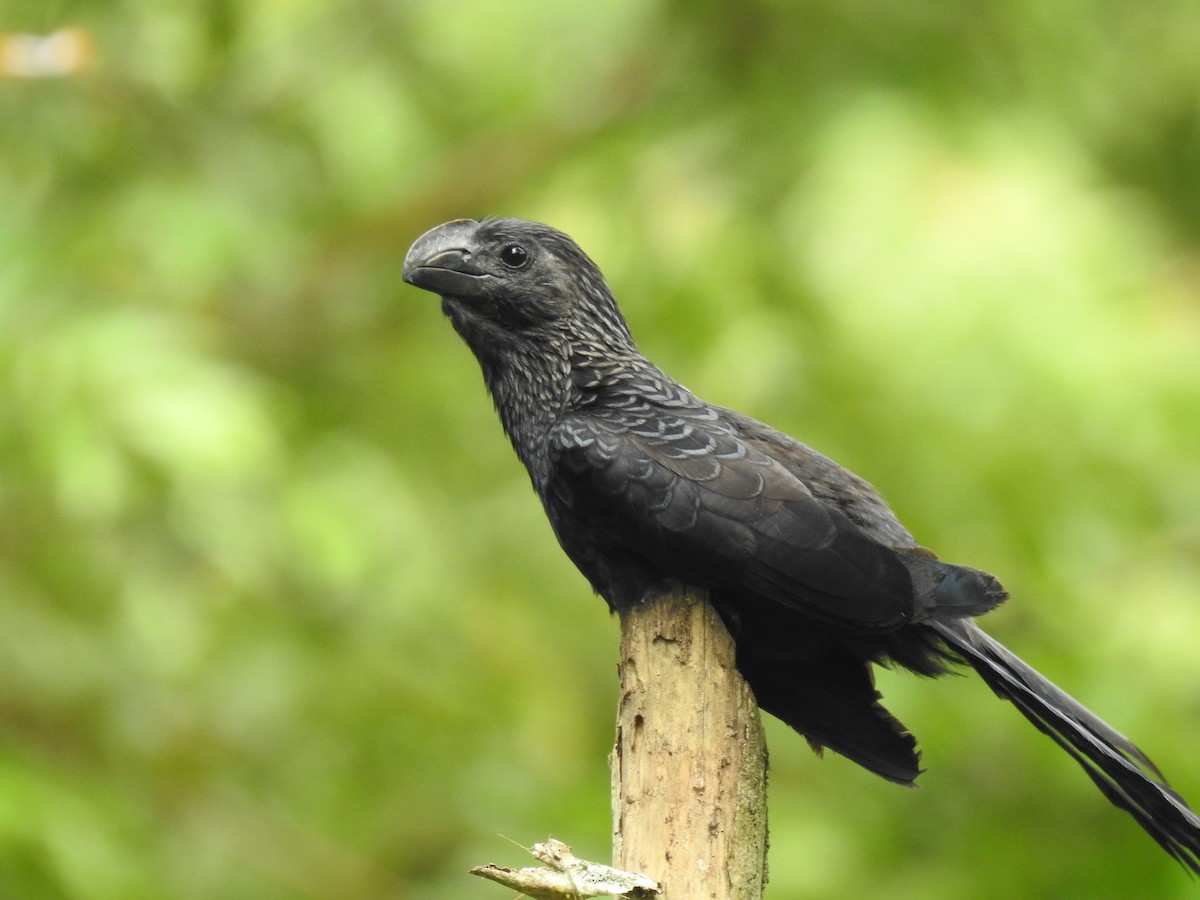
point(686, 494)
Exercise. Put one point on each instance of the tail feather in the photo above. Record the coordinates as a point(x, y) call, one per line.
point(1122, 772)
point(835, 705)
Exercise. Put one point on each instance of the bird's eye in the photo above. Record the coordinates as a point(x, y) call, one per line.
point(514, 255)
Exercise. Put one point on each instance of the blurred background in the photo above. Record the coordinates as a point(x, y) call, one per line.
point(279, 614)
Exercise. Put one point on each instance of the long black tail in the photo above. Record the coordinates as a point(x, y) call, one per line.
point(1128, 779)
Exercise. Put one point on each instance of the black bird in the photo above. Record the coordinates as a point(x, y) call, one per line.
point(812, 573)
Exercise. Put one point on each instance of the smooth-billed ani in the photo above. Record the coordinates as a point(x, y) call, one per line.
point(812, 573)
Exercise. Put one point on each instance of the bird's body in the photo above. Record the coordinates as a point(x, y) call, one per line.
point(815, 577)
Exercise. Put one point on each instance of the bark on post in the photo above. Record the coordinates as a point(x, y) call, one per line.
point(689, 769)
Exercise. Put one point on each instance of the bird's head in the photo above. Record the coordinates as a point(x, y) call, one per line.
point(513, 285)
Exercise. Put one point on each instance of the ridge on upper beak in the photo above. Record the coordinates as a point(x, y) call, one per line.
point(441, 261)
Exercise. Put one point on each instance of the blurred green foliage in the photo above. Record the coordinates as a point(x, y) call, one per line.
point(279, 615)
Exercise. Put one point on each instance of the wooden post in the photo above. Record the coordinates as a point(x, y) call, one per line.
point(689, 769)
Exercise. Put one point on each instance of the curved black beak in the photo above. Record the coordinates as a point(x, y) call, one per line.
point(440, 261)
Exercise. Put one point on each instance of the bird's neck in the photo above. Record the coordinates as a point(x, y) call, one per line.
point(624, 379)
point(531, 390)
